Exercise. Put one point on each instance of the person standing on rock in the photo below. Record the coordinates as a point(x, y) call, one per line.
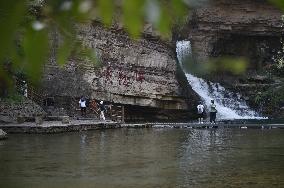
point(200, 112)
point(82, 105)
point(213, 112)
point(102, 109)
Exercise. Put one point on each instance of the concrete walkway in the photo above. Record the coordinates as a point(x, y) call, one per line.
point(58, 126)
point(203, 126)
point(93, 124)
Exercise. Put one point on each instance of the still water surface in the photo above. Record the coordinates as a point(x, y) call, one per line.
point(144, 158)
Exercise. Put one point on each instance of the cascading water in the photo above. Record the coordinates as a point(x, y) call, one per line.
point(229, 104)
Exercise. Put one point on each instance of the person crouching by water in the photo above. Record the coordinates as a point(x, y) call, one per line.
point(200, 112)
point(213, 112)
point(102, 109)
point(82, 105)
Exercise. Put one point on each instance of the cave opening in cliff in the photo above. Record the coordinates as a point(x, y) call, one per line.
point(260, 51)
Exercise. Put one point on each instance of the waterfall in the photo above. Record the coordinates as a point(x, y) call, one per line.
point(229, 105)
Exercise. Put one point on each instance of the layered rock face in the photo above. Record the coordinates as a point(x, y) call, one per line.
point(231, 22)
point(246, 28)
point(139, 74)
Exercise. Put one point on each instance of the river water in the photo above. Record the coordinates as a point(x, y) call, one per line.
point(144, 158)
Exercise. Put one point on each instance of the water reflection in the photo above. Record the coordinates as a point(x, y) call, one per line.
point(145, 158)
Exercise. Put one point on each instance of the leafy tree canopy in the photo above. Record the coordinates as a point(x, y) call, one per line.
point(26, 26)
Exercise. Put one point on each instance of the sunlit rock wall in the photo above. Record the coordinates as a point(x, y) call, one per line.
point(136, 73)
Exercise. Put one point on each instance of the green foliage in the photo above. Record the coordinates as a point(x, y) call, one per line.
point(278, 3)
point(132, 16)
point(235, 66)
point(26, 26)
point(35, 55)
point(106, 9)
point(271, 99)
point(13, 98)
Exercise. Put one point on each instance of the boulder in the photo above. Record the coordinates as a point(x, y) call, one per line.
point(38, 120)
point(6, 119)
point(65, 119)
point(3, 135)
point(20, 119)
point(19, 111)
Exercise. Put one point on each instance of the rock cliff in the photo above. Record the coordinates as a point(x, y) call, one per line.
point(140, 74)
point(144, 76)
point(247, 28)
point(218, 24)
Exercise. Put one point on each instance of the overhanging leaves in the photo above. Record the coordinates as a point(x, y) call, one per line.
point(36, 48)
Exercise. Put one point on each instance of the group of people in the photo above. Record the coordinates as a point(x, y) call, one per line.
point(200, 109)
point(201, 112)
point(100, 105)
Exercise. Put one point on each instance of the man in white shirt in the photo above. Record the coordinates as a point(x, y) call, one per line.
point(200, 112)
point(82, 104)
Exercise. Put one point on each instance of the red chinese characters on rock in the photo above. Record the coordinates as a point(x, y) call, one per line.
point(125, 79)
point(108, 75)
point(139, 76)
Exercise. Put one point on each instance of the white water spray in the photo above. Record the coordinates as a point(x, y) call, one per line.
point(229, 104)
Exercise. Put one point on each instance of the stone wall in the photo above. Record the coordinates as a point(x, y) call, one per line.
point(26, 109)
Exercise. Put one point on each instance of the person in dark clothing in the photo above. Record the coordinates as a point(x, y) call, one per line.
point(102, 109)
point(213, 112)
